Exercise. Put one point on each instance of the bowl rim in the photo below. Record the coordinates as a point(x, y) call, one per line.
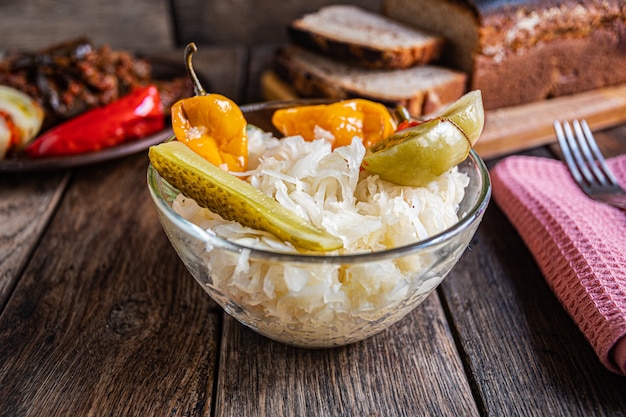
point(473, 214)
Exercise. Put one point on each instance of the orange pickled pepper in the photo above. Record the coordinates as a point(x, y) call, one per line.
point(368, 120)
point(214, 127)
point(210, 124)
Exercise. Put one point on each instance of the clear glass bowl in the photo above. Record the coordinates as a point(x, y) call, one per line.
point(320, 321)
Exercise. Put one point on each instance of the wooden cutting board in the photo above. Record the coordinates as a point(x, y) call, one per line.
point(521, 127)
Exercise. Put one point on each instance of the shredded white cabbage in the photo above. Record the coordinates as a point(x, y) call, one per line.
point(308, 303)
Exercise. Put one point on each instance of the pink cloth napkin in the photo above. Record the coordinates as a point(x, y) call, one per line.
point(579, 244)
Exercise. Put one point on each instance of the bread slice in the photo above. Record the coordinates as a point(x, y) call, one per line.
point(359, 37)
point(422, 89)
point(525, 51)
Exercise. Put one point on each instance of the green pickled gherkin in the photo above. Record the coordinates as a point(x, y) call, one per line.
point(418, 154)
point(235, 199)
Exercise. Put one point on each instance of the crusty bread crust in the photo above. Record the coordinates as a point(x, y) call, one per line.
point(312, 75)
point(525, 51)
point(562, 67)
point(361, 38)
point(365, 56)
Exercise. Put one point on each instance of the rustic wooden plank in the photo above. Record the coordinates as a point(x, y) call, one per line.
point(143, 25)
point(612, 141)
point(526, 355)
point(411, 369)
point(261, 59)
point(234, 22)
point(26, 204)
point(106, 320)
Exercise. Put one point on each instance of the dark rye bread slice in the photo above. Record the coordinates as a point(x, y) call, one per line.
point(422, 89)
point(359, 37)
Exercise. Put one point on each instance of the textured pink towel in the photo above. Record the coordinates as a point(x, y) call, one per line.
point(579, 244)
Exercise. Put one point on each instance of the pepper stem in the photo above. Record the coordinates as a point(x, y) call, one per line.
point(401, 114)
point(197, 87)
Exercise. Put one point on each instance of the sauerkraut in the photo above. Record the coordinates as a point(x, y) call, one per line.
point(315, 304)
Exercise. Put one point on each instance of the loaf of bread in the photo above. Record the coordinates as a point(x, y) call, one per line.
point(422, 89)
point(362, 38)
point(521, 51)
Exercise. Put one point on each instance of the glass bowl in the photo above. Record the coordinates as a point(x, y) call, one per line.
point(397, 279)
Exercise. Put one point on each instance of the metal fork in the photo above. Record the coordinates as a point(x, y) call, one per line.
point(587, 165)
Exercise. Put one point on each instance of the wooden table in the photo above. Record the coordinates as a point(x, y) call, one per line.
point(99, 317)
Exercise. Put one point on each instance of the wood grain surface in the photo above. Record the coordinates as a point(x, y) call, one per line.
point(243, 22)
point(26, 204)
point(410, 369)
point(33, 24)
point(100, 317)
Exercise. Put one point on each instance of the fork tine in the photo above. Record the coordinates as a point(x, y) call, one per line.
point(584, 142)
point(567, 152)
point(602, 186)
point(575, 144)
point(600, 167)
point(584, 177)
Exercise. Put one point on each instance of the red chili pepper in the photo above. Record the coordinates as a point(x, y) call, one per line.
point(133, 116)
point(406, 124)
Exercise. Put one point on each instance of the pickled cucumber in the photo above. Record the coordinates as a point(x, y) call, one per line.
point(416, 155)
point(468, 114)
point(234, 199)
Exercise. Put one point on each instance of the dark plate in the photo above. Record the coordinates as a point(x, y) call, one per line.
point(162, 69)
point(47, 164)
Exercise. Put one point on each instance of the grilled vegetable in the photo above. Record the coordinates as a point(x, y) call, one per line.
point(20, 120)
point(135, 115)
